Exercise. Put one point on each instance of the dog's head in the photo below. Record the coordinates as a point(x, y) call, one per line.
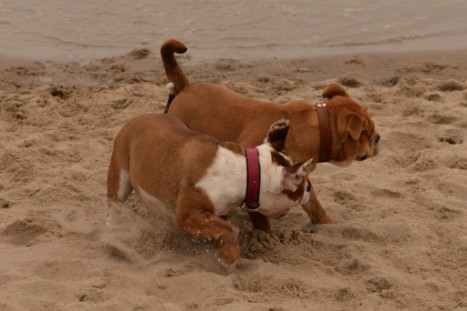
point(354, 133)
point(284, 184)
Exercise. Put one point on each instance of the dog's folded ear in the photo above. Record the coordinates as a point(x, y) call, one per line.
point(277, 134)
point(353, 124)
point(334, 89)
point(293, 175)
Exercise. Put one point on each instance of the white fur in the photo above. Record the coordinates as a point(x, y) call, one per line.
point(124, 185)
point(273, 203)
point(171, 87)
point(114, 217)
point(225, 181)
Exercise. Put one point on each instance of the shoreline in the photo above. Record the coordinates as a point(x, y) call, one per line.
point(372, 66)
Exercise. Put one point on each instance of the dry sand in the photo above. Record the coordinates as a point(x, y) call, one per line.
point(401, 240)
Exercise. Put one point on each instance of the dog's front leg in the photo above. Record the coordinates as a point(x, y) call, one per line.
point(207, 225)
point(260, 222)
point(315, 211)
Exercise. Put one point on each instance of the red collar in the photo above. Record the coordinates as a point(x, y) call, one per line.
point(253, 180)
point(325, 132)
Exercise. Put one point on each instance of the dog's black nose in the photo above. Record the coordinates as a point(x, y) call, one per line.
point(377, 138)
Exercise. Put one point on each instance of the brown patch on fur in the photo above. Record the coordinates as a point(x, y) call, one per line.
point(234, 147)
point(280, 159)
point(295, 196)
point(277, 134)
point(294, 168)
point(334, 89)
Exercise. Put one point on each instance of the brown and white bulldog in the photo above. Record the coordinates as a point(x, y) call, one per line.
point(201, 178)
point(333, 129)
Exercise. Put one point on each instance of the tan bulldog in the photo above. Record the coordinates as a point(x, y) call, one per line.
point(333, 128)
point(202, 179)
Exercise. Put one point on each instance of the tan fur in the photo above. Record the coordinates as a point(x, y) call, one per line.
point(226, 115)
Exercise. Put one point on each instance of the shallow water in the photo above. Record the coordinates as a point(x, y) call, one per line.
point(242, 29)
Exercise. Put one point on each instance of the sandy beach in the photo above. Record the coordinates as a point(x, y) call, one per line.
point(401, 237)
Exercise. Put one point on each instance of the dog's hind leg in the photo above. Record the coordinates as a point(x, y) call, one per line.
point(118, 189)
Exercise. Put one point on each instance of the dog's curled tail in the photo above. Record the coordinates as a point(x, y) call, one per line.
point(174, 73)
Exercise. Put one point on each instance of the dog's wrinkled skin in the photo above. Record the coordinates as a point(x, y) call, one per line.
point(226, 115)
point(202, 178)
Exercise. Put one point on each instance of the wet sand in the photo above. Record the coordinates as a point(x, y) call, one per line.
point(401, 240)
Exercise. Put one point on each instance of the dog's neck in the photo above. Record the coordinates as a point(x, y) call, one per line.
point(325, 131)
point(253, 183)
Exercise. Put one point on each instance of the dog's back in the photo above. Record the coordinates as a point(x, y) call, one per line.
point(160, 137)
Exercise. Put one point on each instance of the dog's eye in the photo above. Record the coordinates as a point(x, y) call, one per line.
point(308, 186)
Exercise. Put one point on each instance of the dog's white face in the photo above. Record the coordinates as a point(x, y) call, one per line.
point(283, 185)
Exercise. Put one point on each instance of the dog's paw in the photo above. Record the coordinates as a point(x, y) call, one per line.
point(171, 87)
point(114, 218)
point(229, 268)
point(112, 223)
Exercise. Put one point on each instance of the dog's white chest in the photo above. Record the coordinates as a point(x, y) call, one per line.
point(225, 181)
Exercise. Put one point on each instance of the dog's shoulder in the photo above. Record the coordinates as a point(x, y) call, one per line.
point(224, 179)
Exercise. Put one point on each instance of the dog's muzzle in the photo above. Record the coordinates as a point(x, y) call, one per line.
point(376, 141)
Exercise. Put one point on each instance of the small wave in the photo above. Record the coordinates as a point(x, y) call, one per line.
point(248, 43)
point(388, 40)
point(84, 45)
